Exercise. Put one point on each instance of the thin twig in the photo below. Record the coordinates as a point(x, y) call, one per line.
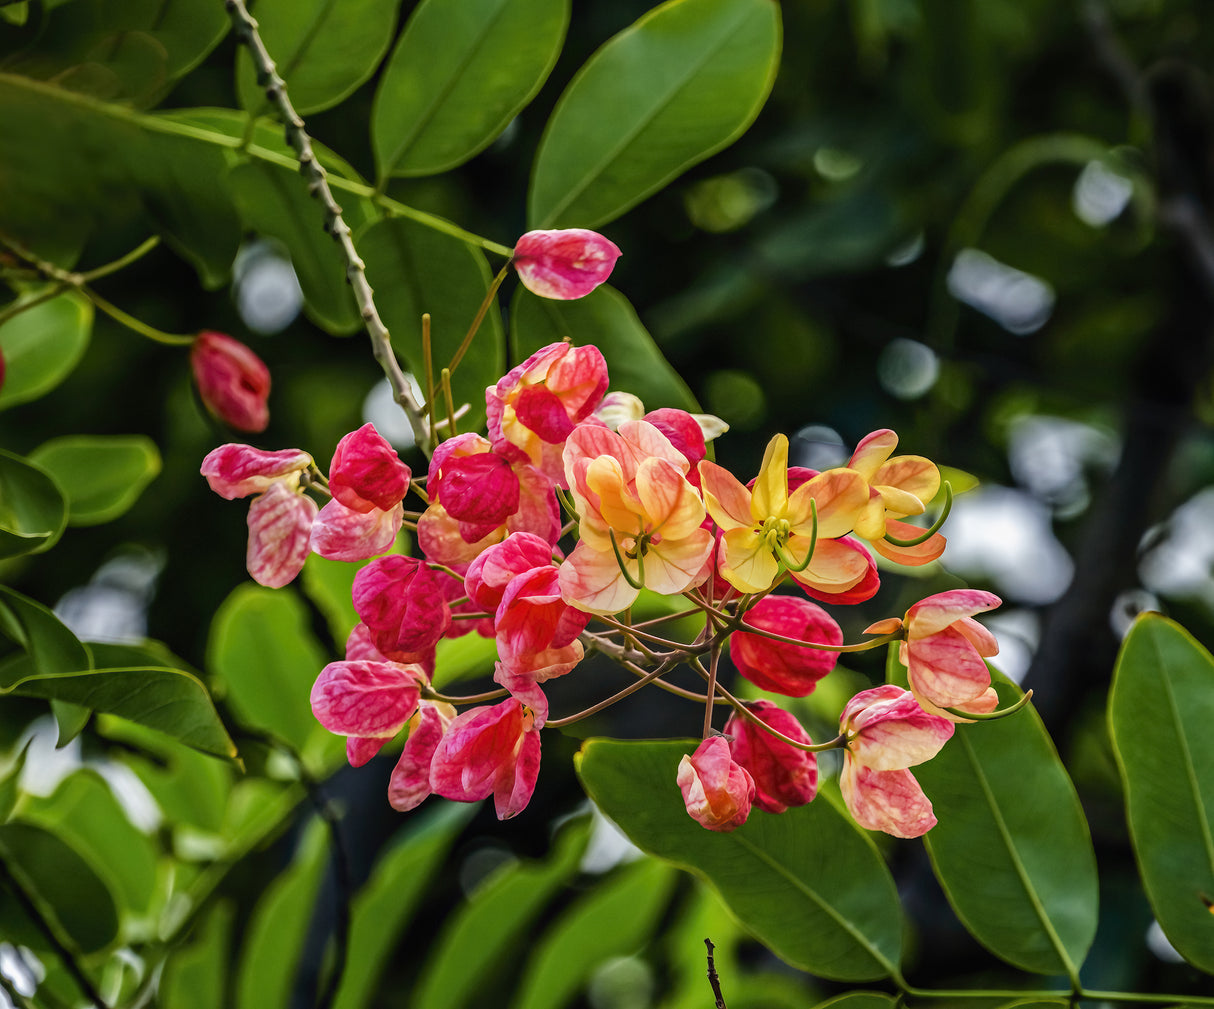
point(712, 976)
point(245, 29)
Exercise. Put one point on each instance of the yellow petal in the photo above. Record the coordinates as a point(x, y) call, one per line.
point(770, 496)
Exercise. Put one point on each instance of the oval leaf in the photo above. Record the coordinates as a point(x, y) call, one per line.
point(61, 884)
point(606, 319)
point(50, 648)
point(414, 270)
point(323, 49)
point(1012, 849)
point(680, 84)
point(42, 345)
point(102, 475)
point(807, 883)
point(1160, 712)
point(461, 71)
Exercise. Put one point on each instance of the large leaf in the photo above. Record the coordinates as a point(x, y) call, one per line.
point(62, 886)
point(195, 976)
point(277, 204)
point(323, 49)
point(807, 883)
point(1012, 849)
point(606, 319)
point(264, 652)
point(478, 938)
point(1160, 712)
point(33, 512)
point(683, 82)
point(50, 648)
point(102, 475)
point(384, 906)
point(461, 71)
point(328, 585)
point(42, 345)
point(415, 270)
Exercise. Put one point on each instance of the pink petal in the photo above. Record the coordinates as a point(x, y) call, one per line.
point(438, 534)
point(922, 553)
point(890, 801)
point(564, 264)
point(783, 775)
point(779, 667)
point(366, 472)
point(887, 729)
point(872, 451)
point(480, 488)
point(364, 698)
point(342, 534)
point(681, 428)
point(488, 575)
point(410, 781)
point(591, 580)
point(402, 604)
point(674, 566)
point(235, 471)
point(540, 410)
point(579, 378)
point(360, 749)
point(863, 590)
point(717, 791)
point(944, 608)
point(946, 669)
point(280, 525)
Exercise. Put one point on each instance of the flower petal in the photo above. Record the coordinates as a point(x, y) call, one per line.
point(890, 801)
point(280, 527)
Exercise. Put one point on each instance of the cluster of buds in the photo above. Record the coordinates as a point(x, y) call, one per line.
point(645, 511)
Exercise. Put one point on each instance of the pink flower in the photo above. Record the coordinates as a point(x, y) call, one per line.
point(240, 470)
point(410, 781)
point(366, 472)
point(488, 575)
point(366, 699)
point(717, 791)
point(233, 381)
point(489, 751)
point(777, 666)
point(887, 732)
point(783, 775)
point(402, 604)
point(944, 651)
point(564, 264)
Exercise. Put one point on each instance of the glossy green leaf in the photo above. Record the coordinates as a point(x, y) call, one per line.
point(10, 783)
point(323, 49)
point(262, 648)
point(49, 647)
point(84, 812)
point(1012, 848)
point(614, 919)
point(42, 345)
point(169, 700)
point(606, 319)
point(33, 512)
point(808, 883)
point(277, 204)
point(102, 475)
point(1160, 712)
point(71, 719)
point(385, 905)
point(461, 71)
point(328, 585)
point(463, 659)
point(273, 942)
point(859, 1000)
point(195, 975)
point(478, 939)
point(62, 886)
point(415, 270)
point(680, 84)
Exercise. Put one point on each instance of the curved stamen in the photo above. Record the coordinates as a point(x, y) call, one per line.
point(934, 528)
point(619, 559)
point(987, 716)
point(786, 558)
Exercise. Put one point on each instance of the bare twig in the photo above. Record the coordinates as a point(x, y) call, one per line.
point(245, 27)
point(712, 977)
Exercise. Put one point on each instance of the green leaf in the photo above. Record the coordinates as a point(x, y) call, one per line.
point(478, 938)
point(385, 905)
point(414, 270)
point(859, 1000)
point(84, 812)
point(42, 345)
point(680, 84)
point(102, 475)
point(262, 648)
point(463, 659)
point(277, 204)
point(50, 648)
point(1160, 712)
point(808, 883)
point(1012, 849)
point(323, 49)
point(195, 976)
point(33, 513)
point(328, 584)
point(461, 71)
point(606, 319)
point(10, 783)
point(273, 942)
point(170, 700)
point(71, 719)
point(63, 886)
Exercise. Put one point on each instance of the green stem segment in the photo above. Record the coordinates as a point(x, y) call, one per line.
point(931, 530)
point(480, 317)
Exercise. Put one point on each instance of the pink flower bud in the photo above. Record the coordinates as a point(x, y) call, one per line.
point(783, 775)
point(564, 264)
point(945, 648)
point(717, 791)
point(402, 604)
point(489, 751)
point(775, 665)
point(366, 472)
point(280, 527)
point(240, 470)
point(233, 381)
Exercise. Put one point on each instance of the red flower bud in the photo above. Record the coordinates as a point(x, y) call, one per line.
point(717, 791)
point(564, 264)
point(233, 381)
point(783, 668)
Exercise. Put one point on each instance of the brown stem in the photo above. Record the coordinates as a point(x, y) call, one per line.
point(713, 980)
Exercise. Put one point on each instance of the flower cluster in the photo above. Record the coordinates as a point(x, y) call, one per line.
point(647, 511)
